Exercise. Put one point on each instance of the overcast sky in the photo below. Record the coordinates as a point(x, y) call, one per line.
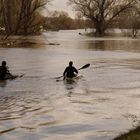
point(61, 5)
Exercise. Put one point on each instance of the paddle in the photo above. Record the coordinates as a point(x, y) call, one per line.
point(18, 76)
point(10, 76)
point(85, 66)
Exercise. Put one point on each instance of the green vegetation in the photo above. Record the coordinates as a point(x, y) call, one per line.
point(132, 135)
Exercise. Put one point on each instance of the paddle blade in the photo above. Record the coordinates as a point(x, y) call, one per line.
point(85, 66)
point(58, 77)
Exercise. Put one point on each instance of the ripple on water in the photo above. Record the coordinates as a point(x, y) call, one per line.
point(101, 105)
point(68, 129)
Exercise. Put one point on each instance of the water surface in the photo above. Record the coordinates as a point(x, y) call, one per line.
point(99, 106)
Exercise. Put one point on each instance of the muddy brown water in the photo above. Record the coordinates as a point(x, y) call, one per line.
point(104, 103)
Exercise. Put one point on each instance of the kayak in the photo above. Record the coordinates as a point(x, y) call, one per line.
point(11, 77)
point(73, 79)
point(70, 80)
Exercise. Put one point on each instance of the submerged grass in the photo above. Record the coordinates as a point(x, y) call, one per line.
point(131, 135)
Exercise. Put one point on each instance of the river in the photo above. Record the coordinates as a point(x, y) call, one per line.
point(104, 103)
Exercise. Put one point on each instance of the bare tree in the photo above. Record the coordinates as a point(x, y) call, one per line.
point(59, 20)
point(6, 14)
point(21, 16)
point(101, 12)
point(132, 21)
point(28, 14)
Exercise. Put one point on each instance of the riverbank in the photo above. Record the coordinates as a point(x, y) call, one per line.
point(116, 32)
point(132, 135)
point(24, 41)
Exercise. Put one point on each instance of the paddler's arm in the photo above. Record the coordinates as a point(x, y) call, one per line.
point(75, 70)
point(8, 72)
point(64, 73)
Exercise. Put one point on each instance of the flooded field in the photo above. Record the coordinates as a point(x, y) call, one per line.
point(104, 103)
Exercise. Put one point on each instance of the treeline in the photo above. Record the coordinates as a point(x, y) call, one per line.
point(60, 20)
point(23, 17)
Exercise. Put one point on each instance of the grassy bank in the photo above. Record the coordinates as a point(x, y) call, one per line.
point(132, 135)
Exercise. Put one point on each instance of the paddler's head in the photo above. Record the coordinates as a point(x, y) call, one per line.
point(3, 63)
point(70, 63)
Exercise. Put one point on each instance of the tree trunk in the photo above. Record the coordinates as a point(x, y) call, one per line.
point(4, 16)
point(19, 18)
point(9, 16)
point(100, 28)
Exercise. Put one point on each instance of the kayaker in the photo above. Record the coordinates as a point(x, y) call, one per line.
point(4, 70)
point(70, 71)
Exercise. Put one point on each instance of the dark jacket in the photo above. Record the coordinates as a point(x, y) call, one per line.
point(70, 72)
point(3, 72)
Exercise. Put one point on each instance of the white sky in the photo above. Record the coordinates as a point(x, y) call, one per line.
point(61, 5)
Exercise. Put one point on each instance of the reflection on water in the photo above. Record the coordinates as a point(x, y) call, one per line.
point(101, 105)
point(70, 85)
point(127, 45)
point(3, 83)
